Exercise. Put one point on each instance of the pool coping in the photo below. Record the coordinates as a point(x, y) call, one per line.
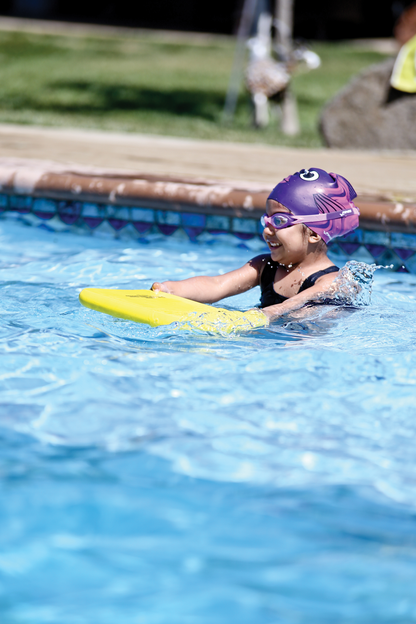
point(40, 179)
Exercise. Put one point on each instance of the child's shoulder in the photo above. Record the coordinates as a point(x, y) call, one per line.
point(263, 261)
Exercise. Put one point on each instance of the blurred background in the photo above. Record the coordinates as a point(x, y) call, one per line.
point(322, 19)
point(219, 70)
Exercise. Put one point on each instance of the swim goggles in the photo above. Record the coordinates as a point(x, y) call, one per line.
point(281, 220)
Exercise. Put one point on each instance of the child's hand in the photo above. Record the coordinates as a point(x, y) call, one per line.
point(160, 287)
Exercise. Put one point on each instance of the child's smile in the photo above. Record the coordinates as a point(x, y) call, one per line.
point(287, 245)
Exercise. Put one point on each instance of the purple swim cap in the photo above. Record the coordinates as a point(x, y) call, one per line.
point(314, 191)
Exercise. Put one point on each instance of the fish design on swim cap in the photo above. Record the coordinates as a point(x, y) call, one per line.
point(314, 191)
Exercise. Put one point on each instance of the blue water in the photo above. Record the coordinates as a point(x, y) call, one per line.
point(156, 476)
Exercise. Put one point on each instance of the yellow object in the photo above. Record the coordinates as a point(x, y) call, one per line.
point(403, 77)
point(157, 308)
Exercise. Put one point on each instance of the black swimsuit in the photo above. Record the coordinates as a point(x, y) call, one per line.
point(268, 294)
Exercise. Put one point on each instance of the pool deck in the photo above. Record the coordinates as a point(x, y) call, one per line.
point(90, 178)
point(385, 175)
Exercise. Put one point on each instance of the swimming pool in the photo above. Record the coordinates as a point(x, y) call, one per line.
point(163, 477)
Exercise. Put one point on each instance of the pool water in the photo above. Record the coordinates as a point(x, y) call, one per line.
point(157, 476)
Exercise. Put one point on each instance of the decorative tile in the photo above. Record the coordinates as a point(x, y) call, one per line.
point(127, 232)
point(389, 258)
point(349, 248)
point(193, 224)
point(4, 202)
point(55, 224)
point(376, 250)
point(376, 238)
point(244, 228)
point(353, 237)
point(395, 248)
point(141, 227)
point(403, 254)
point(168, 221)
point(93, 214)
point(44, 208)
point(69, 211)
point(243, 236)
point(362, 255)
point(117, 217)
point(260, 229)
point(168, 217)
point(335, 249)
point(142, 219)
point(403, 240)
point(104, 229)
point(166, 229)
point(410, 264)
point(217, 224)
point(247, 226)
point(20, 203)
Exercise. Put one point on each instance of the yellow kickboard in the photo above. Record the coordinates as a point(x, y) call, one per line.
point(158, 308)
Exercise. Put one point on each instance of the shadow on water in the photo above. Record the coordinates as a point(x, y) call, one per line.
point(94, 97)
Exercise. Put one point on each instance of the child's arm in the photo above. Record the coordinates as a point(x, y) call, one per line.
point(207, 289)
point(322, 287)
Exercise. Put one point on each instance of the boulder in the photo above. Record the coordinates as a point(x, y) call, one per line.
point(366, 114)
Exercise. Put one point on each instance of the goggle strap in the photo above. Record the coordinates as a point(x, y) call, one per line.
point(329, 216)
point(317, 218)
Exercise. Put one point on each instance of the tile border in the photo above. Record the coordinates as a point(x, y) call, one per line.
point(92, 199)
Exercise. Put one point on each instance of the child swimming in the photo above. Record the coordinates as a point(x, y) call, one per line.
point(303, 213)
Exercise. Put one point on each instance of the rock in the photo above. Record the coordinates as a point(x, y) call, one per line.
point(360, 116)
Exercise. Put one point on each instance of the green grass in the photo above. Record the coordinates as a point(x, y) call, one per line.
point(153, 86)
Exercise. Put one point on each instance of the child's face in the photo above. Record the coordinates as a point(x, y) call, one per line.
point(288, 245)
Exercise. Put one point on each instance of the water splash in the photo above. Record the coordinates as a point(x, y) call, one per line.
point(353, 286)
point(225, 322)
